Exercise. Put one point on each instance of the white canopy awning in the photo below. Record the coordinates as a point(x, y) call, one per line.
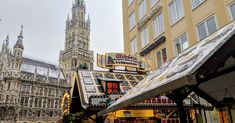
point(176, 73)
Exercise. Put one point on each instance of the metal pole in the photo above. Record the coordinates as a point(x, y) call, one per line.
point(230, 114)
point(182, 112)
point(204, 114)
point(188, 113)
point(195, 109)
point(222, 115)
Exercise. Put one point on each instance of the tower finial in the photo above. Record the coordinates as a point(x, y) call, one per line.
point(21, 32)
point(7, 40)
point(68, 18)
point(88, 19)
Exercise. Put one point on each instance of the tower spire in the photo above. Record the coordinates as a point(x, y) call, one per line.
point(88, 20)
point(21, 31)
point(19, 42)
point(7, 40)
point(68, 18)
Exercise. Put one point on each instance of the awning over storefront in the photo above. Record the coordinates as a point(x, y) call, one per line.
point(194, 68)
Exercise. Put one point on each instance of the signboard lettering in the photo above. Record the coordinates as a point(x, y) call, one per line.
point(153, 45)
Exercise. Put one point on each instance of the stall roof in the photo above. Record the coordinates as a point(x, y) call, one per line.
point(90, 83)
point(176, 73)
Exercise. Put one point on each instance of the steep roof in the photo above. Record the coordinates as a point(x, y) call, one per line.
point(90, 83)
point(41, 67)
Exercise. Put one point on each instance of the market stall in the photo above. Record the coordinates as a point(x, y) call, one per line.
point(206, 68)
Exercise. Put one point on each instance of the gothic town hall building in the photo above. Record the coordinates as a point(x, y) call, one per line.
point(77, 53)
point(30, 89)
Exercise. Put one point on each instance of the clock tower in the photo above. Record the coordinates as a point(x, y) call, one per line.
point(76, 53)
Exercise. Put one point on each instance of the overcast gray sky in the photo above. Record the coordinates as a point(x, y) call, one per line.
point(44, 24)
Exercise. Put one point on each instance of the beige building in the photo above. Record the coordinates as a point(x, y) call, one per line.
point(30, 89)
point(76, 53)
point(160, 29)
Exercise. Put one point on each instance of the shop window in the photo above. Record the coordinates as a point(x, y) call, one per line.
point(180, 44)
point(112, 87)
point(161, 57)
point(206, 28)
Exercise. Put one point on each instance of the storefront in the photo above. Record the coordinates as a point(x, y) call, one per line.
point(207, 68)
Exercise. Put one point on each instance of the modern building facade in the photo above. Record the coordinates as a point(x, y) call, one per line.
point(77, 53)
point(161, 29)
point(30, 89)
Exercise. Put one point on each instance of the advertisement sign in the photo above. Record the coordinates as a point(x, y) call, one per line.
point(101, 62)
point(134, 113)
point(119, 59)
point(128, 62)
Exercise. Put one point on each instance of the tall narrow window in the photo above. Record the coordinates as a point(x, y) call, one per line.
point(206, 28)
point(144, 37)
point(161, 57)
point(232, 10)
point(180, 44)
point(196, 3)
point(131, 20)
point(142, 9)
point(38, 113)
point(158, 25)
point(176, 11)
point(153, 2)
point(133, 46)
point(130, 2)
point(112, 87)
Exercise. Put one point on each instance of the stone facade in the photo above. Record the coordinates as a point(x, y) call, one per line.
point(77, 53)
point(30, 89)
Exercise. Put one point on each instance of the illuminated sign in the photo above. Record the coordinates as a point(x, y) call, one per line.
point(153, 45)
point(106, 100)
point(134, 113)
point(117, 60)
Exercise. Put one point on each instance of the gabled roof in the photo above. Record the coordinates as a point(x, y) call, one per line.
point(178, 72)
point(89, 83)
